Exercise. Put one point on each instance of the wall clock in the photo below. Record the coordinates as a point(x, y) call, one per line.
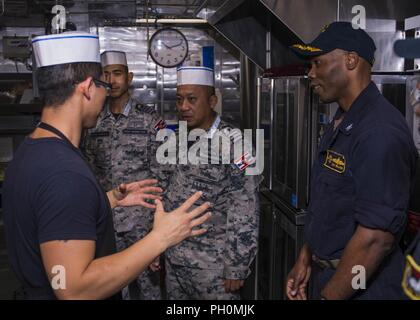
point(168, 47)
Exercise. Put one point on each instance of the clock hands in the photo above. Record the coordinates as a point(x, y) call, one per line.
point(171, 47)
point(177, 45)
point(168, 47)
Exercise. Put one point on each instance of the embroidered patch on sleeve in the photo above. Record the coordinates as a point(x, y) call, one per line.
point(411, 280)
point(244, 162)
point(160, 125)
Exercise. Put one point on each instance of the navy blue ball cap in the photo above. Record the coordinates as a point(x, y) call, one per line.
point(409, 48)
point(339, 35)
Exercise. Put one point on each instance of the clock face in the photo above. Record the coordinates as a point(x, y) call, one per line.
point(168, 47)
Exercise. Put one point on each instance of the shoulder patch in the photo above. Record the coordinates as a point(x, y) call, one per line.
point(411, 281)
point(160, 125)
point(244, 161)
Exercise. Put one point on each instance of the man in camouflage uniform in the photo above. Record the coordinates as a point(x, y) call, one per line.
point(122, 147)
point(213, 266)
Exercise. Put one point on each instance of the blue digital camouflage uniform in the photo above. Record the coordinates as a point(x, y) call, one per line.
point(197, 267)
point(123, 150)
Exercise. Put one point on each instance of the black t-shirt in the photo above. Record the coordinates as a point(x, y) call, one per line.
point(51, 194)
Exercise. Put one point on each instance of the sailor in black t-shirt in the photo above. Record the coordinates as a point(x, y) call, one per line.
point(58, 225)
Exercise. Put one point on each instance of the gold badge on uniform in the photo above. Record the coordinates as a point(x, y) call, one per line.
point(335, 162)
point(411, 280)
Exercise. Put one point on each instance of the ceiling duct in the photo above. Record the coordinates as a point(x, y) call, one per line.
point(247, 23)
point(252, 24)
point(15, 8)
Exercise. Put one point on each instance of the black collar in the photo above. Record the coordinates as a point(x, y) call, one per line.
point(357, 109)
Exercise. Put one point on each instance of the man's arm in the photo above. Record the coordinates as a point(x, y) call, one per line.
point(160, 171)
point(87, 278)
point(298, 278)
point(135, 194)
point(367, 248)
point(242, 229)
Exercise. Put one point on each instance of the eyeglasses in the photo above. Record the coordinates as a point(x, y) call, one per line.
point(106, 85)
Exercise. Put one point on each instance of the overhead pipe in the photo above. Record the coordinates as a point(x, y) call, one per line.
point(171, 21)
point(203, 5)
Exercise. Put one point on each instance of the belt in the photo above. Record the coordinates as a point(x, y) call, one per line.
point(325, 264)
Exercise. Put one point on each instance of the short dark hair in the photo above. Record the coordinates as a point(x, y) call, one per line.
point(57, 83)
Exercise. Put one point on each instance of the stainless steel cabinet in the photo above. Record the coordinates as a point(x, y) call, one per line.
point(281, 237)
point(293, 121)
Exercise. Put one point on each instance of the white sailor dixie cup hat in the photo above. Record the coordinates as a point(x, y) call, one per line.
point(67, 47)
point(202, 76)
point(113, 57)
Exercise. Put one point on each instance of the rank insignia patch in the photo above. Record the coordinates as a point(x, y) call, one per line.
point(335, 162)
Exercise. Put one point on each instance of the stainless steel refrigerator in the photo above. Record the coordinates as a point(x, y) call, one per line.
point(293, 120)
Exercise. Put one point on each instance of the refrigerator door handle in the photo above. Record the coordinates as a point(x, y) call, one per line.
point(259, 97)
point(272, 116)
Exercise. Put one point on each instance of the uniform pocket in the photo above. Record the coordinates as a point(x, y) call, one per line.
point(210, 180)
point(135, 147)
point(341, 185)
point(333, 209)
point(337, 196)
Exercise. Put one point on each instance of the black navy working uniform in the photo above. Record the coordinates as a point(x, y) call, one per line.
point(362, 176)
point(50, 194)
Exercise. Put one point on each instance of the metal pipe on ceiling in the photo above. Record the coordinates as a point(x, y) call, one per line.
point(201, 7)
point(171, 21)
